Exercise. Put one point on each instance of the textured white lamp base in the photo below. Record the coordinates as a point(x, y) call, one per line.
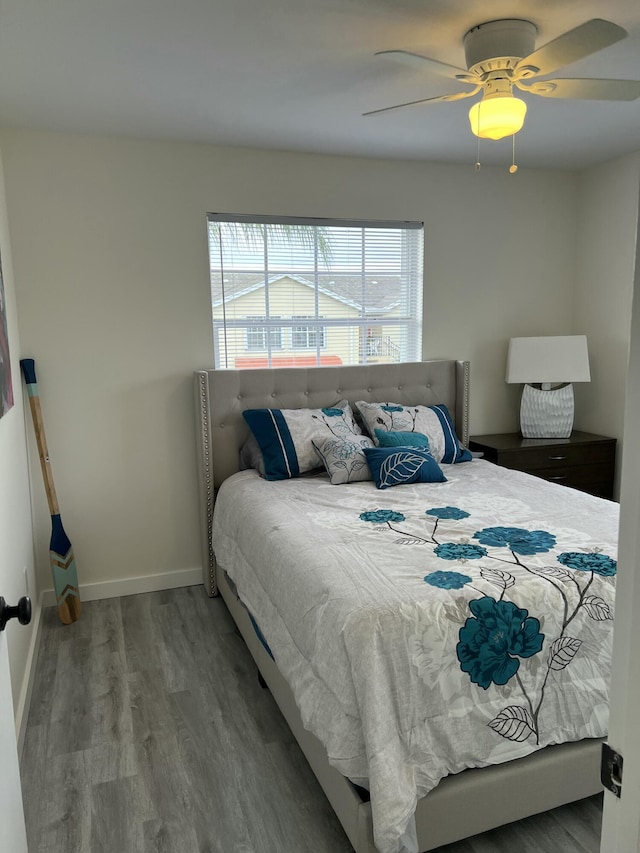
point(546, 414)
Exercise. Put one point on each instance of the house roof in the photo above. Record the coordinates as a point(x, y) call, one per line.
point(381, 292)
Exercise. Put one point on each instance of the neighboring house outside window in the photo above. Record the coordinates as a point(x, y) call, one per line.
point(304, 292)
point(307, 337)
point(260, 336)
point(381, 344)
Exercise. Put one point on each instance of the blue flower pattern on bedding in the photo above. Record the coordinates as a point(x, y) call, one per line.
point(499, 637)
point(598, 563)
point(447, 580)
point(380, 516)
point(524, 542)
point(450, 512)
point(492, 640)
point(459, 551)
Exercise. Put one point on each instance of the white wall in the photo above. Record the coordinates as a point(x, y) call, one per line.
point(16, 534)
point(110, 256)
point(607, 228)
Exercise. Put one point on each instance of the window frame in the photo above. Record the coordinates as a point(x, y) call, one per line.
point(404, 265)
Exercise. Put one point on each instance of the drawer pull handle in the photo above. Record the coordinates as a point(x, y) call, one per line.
point(560, 477)
point(557, 458)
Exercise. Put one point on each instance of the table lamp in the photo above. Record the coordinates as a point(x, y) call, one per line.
point(547, 367)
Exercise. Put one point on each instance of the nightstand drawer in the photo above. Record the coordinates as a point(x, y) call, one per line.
point(584, 461)
point(559, 456)
point(578, 476)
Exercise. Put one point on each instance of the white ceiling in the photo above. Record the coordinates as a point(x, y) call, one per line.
point(297, 75)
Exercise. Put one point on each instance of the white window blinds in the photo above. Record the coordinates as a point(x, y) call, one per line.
point(299, 292)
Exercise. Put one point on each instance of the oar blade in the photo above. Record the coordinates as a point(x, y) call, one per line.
point(64, 573)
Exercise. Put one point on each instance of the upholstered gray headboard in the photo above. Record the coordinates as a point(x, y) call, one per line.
point(222, 395)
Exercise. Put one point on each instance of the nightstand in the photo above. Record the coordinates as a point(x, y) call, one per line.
point(583, 461)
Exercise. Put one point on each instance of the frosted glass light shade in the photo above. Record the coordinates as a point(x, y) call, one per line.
point(558, 358)
point(497, 116)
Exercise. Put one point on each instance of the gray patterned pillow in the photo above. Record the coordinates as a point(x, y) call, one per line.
point(344, 458)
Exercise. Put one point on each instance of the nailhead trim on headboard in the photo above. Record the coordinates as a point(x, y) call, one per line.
point(206, 481)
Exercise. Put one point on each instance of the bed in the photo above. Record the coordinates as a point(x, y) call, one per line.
point(511, 781)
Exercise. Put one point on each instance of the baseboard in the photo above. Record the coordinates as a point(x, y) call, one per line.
point(24, 700)
point(131, 586)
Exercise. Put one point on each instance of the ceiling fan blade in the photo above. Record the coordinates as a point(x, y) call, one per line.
point(455, 96)
point(583, 89)
point(428, 64)
point(573, 45)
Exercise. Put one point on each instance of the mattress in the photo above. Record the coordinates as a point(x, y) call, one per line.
point(428, 628)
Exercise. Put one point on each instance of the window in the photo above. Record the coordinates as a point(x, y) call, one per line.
point(290, 291)
point(307, 337)
point(259, 336)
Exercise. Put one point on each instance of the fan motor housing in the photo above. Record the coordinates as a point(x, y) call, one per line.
point(499, 45)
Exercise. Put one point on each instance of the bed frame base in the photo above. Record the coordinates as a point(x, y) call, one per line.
point(466, 804)
point(470, 802)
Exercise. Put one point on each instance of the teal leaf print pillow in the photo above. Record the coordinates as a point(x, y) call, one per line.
point(396, 466)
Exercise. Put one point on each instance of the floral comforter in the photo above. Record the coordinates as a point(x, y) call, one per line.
point(428, 628)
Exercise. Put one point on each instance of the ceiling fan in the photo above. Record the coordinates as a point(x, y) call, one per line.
point(501, 55)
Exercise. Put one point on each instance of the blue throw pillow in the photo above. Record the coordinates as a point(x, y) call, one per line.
point(401, 439)
point(396, 466)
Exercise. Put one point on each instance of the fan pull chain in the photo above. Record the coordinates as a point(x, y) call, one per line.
point(513, 167)
point(478, 139)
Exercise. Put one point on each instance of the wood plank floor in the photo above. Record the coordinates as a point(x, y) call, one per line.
point(149, 733)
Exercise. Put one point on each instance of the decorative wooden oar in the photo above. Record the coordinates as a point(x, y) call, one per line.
point(63, 565)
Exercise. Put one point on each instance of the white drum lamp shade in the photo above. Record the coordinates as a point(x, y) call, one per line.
point(546, 411)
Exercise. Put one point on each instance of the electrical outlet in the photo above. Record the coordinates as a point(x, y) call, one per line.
point(26, 580)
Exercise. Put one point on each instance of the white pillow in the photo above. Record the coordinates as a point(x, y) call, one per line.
point(344, 458)
point(433, 421)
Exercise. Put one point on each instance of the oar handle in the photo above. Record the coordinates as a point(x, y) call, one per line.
point(29, 372)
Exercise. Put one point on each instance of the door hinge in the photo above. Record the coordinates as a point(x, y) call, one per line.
point(611, 770)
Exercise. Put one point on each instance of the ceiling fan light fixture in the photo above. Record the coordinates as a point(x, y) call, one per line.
point(497, 115)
